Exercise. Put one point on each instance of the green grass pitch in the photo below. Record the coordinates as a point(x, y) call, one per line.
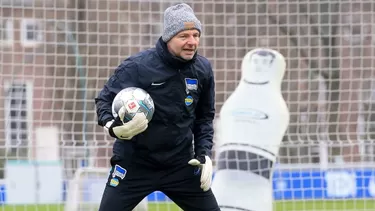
point(316, 205)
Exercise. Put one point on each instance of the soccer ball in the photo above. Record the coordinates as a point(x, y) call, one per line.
point(135, 100)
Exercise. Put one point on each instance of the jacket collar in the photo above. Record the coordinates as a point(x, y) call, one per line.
point(171, 60)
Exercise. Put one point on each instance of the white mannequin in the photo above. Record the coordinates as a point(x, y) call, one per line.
point(252, 124)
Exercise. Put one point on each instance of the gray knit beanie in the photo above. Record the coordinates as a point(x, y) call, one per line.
point(178, 18)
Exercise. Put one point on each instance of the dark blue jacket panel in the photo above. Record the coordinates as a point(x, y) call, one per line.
point(184, 96)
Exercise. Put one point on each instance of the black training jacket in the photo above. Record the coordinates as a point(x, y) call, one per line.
point(184, 97)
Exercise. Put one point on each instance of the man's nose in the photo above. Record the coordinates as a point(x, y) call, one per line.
point(191, 41)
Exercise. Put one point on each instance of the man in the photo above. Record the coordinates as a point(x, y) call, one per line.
point(160, 155)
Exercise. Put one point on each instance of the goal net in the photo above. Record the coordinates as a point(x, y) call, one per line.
point(56, 55)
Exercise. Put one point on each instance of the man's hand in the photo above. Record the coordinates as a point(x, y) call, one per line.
point(205, 164)
point(127, 130)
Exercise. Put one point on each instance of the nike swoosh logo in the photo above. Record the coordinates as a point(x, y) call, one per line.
point(157, 84)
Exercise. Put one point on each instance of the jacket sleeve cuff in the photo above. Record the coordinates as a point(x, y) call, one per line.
point(202, 152)
point(105, 119)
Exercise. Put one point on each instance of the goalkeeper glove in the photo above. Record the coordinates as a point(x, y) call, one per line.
point(127, 130)
point(205, 164)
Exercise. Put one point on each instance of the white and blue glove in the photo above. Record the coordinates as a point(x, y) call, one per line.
point(128, 130)
point(205, 164)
